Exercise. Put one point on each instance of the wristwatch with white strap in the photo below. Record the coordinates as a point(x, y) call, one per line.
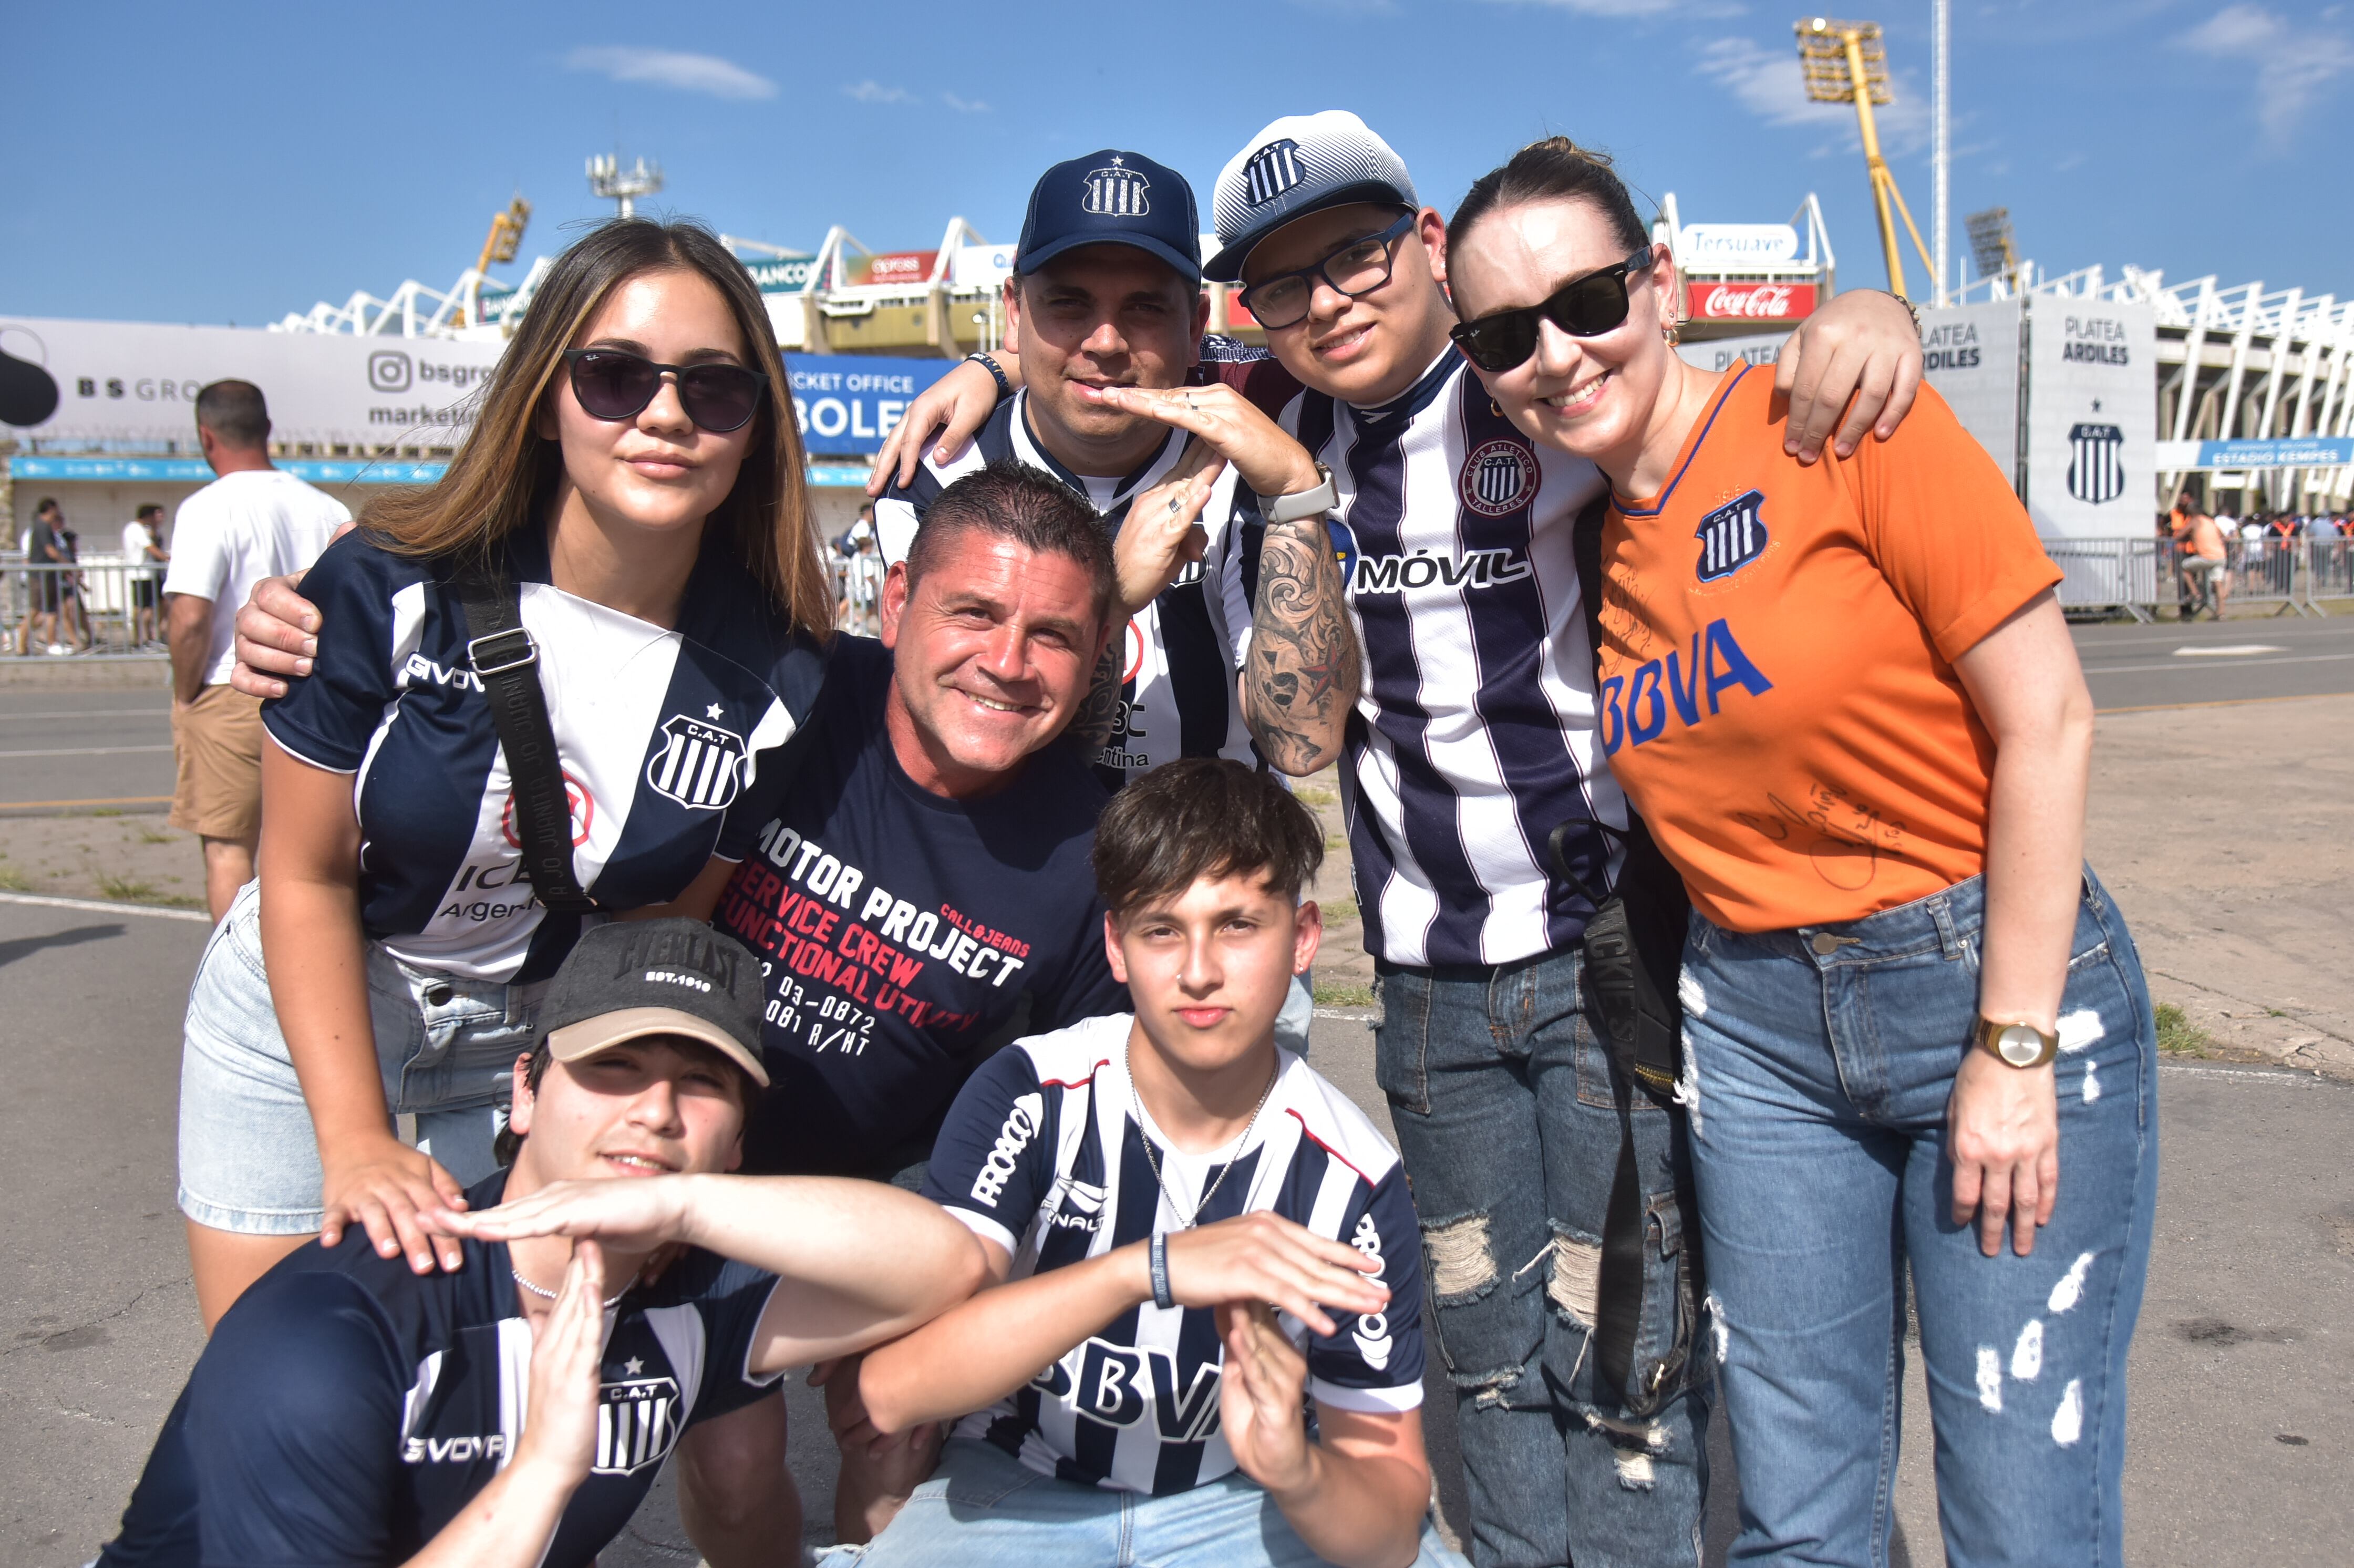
point(1313, 502)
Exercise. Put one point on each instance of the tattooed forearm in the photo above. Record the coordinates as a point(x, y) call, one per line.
point(1091, 727)
point(1299, 682)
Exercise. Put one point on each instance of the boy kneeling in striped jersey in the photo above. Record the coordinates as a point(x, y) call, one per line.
point(1189, 1228)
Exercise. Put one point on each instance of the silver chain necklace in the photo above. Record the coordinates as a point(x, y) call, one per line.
point(545, 1293)
point(1129, 1062)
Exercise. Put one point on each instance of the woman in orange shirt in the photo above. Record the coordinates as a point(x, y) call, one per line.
point(1844, 697)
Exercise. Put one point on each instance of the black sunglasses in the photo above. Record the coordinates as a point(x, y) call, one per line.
point(1582, 307)
point(614, 384)
point(1355, 269)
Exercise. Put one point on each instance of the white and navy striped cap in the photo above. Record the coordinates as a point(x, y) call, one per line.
point(1300, 165)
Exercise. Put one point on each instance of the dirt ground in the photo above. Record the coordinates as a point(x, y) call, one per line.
point(2224, 832)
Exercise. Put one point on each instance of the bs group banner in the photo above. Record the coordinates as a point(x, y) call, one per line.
point(135, 383)
point(2092, 417)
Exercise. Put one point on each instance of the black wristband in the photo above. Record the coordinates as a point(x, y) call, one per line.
point(996, 373)
point(1159, 1254)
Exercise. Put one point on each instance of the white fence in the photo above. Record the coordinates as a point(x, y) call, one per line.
point(2143, 575)
point(102, 605)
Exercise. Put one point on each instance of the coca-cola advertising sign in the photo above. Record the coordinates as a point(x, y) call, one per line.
point(1752, 301)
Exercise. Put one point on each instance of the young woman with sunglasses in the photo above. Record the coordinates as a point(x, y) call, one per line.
point(633, 473)
point(1845, 699)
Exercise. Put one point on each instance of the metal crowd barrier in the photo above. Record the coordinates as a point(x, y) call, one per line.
point(102, 605)
point(2144, 577)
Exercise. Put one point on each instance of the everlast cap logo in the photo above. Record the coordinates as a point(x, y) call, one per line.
point(703, 954)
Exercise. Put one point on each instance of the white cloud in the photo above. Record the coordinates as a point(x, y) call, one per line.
point(964, 105)
point(1770, 85)
point(873, 91)
point(666, 68)
point(1641, 9)
point(2293, 63)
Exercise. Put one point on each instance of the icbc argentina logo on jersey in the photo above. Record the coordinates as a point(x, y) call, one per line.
point(696, 763)
point(1499, 477)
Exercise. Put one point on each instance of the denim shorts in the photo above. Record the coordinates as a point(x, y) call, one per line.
point(249, 1157)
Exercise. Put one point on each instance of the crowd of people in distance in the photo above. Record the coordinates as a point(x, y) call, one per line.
point(897, 964)
point(2215, 554)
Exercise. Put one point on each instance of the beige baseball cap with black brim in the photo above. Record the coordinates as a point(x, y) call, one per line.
point(631, 979)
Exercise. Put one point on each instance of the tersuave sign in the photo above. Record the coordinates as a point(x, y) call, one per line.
point(1750, 302)
point(1735, 247)
point(131, 383)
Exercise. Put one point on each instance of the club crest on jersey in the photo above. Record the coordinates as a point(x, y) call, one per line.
point(1731, 536)
point(1117, 190)
point(1272, 170)
point(637, 1424)
point(696, 763)
point(1499, 477)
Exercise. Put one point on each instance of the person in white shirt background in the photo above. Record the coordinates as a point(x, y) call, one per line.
point(142, 546)
point(252, 522)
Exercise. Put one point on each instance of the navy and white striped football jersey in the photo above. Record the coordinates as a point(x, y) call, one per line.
point(1177, 697)
point(347, 1409)
point(1043, 1154)
point(671, 742)
point(1477, 732)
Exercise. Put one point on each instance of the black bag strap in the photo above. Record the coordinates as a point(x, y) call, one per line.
point(505, 659)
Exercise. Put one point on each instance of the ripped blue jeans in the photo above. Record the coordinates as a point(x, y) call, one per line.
point(1510, 1121)
point(1824, 1058)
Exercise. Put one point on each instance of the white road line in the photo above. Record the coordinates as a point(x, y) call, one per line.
point(2237, 665)
point(2288, 1075)
point(99, 907)
point(99, 713)
point(2229, 650)
point(85, 751)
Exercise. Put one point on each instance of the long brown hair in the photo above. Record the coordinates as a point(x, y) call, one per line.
point(1556, 169)
point(504, 471)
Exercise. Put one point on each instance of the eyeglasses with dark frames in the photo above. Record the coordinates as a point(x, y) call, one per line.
point(614, 384)
point(1582, 307)
point(1355, 269)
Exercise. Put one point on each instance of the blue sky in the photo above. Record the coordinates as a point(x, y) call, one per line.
point(229, 162)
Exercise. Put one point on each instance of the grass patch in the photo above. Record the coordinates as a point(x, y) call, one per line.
point(129, 889)
point(2177, 1035)
point(107, 811)
point(1317, 794)
point(1335, 994)
point(150, 836)
point(1333, 842)
point(1337, 909)
point(13, 880)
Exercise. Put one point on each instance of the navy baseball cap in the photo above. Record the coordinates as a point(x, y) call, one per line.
point(1300, 165)
point(1112, 197)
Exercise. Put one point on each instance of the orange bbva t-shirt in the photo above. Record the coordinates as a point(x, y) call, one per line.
point(1779, 694)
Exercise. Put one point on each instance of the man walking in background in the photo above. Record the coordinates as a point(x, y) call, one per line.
point(2199, 543)
point(142, 551)
point(43, 547)
point(252, 522)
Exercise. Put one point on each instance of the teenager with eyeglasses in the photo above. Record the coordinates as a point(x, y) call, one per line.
point(1440, 564)
point(1844, 698)
point(633, 474)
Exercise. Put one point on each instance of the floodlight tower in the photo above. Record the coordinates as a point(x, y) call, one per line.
point(1845, 62)
point(1991, 244)
point(606, 178)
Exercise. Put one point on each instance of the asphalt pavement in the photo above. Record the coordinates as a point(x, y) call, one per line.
point(2242, 1372)
point(84, 749)
point(2170, 665)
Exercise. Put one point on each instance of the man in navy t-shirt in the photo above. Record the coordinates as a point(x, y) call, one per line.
point(515, 1411)
point(925, 884)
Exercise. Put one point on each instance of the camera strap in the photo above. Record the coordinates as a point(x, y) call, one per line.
point(505, 659)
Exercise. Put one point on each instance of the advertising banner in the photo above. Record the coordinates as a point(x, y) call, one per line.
point(135, 382)
point(1970, 355)
point(2298, 451)
point(849, 402)
point(1749, 300)
point(891, 267)
point(1735, 247)
point(779, 274)
point(2092, 417)
point(1723, 353)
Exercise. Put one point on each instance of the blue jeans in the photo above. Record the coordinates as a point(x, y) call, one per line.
point(984, 1506)
point(249, 1155)
point(1509, 1117)
point(1824, 1060)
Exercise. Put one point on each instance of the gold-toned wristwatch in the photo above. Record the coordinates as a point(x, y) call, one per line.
point(2017, 1045)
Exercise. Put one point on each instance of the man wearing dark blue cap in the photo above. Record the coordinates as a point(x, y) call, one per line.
point(1105, 293)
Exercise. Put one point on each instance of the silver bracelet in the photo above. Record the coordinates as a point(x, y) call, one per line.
point(1159, 1254)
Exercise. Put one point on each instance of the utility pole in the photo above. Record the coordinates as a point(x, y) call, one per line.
point(1941, 45)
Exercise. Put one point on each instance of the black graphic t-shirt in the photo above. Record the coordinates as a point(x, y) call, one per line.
point(902, 931)
point(346, 1409)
